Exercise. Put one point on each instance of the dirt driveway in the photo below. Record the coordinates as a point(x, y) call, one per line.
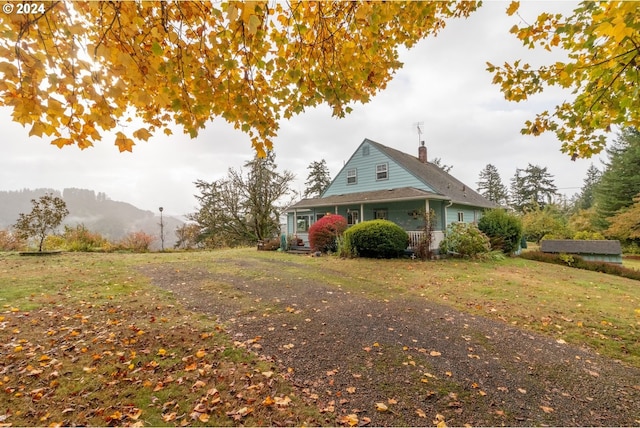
point(389, 362)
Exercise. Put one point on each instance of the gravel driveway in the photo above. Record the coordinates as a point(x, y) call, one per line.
point(366, 360)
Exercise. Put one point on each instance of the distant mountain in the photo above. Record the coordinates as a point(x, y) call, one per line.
point(112, 219)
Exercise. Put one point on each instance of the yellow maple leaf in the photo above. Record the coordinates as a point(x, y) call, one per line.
point(513, 7)
point(142, 134)
point(124, 143)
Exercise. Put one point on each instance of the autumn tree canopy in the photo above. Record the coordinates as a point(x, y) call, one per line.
point(72, 71)
point(602, 41)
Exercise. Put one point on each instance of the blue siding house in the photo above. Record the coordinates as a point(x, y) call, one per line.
point(379, 182)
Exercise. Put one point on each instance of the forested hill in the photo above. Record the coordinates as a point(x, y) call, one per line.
point(112, 219)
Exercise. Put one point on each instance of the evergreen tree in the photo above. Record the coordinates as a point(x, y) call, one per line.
point(318, 179)
point(438, 162)
point(620, 181)
point(490, 185)
point(586, 197)
point(532, 187)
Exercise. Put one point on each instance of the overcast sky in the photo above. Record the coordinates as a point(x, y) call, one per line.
point(467, 123)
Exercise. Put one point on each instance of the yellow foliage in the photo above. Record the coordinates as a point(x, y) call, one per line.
point(600, 39)
point(84, 68)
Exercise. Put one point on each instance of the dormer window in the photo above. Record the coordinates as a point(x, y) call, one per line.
point(382, 171)
point(352, 176)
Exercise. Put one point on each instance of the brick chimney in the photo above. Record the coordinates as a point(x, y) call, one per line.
point(422, 153)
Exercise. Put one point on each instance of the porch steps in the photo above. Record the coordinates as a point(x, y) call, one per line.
point(298, 249)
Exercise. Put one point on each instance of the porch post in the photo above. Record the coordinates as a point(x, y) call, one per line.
point(426, 206)
point(295, 221)
point(361, 212)
point(336, 209)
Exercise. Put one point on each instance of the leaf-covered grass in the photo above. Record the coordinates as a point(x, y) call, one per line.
point(87, 339)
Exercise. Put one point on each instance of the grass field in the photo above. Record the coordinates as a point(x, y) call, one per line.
point(87, 339)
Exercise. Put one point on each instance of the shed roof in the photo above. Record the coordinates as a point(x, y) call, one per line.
point(572, 246)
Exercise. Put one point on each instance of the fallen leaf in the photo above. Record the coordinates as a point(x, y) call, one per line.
point(522, 390)
point(435, 353)
point(546, 409)
point(381, 407)
point(282, 401)
point(268, 401)
point(421, 413)
point(351, 389)
point(351, 420)
point(440, 421)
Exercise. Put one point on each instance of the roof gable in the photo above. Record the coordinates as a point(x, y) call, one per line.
point(359, 174)
point(405, 171)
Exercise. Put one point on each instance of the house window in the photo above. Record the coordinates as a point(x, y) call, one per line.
point(352, 176)
point(352, 217)
point(302, 223)
point(460, 216)
point(382, 171)
point(381, 214)
point(365, 150)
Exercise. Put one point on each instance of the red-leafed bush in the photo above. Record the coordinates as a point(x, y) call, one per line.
point(323, 234)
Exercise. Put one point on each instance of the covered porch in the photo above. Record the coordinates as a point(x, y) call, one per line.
point(404, 207)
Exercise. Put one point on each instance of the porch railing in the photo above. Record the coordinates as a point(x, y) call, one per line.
point(415, 236)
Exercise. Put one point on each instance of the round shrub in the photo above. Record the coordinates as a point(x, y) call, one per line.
point(376, 239)
point(503, 229)
point(323, 233)
point(466, 240)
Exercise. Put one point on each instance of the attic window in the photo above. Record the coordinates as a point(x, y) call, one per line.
point(352, 176)
point(365, 150)
point(382, 171)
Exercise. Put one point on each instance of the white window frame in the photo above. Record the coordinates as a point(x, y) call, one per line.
point(352, 217)
point(352, 176)
point(382, 169)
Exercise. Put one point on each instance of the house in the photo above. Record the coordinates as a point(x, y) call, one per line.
point(379, 182)
point(594, 251)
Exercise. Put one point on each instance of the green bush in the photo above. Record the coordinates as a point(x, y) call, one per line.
point(588, 236)
point(80, 238)
point(503, 229)
point(465, 240)
point(375, 239)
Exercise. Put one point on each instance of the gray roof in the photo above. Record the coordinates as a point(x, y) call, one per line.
point(446, 186)
point(442, 182)
point(572, 246)
point(400, 194)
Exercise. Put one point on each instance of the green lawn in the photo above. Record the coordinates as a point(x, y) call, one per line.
point(89, 340)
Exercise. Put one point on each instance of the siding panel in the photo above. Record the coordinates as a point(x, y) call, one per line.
point(366, 174)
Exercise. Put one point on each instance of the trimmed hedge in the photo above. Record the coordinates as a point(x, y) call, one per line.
point(580, 263)
point(382, 239)
point(323, 234)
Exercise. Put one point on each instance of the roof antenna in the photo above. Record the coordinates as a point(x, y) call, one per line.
point(419, 126)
